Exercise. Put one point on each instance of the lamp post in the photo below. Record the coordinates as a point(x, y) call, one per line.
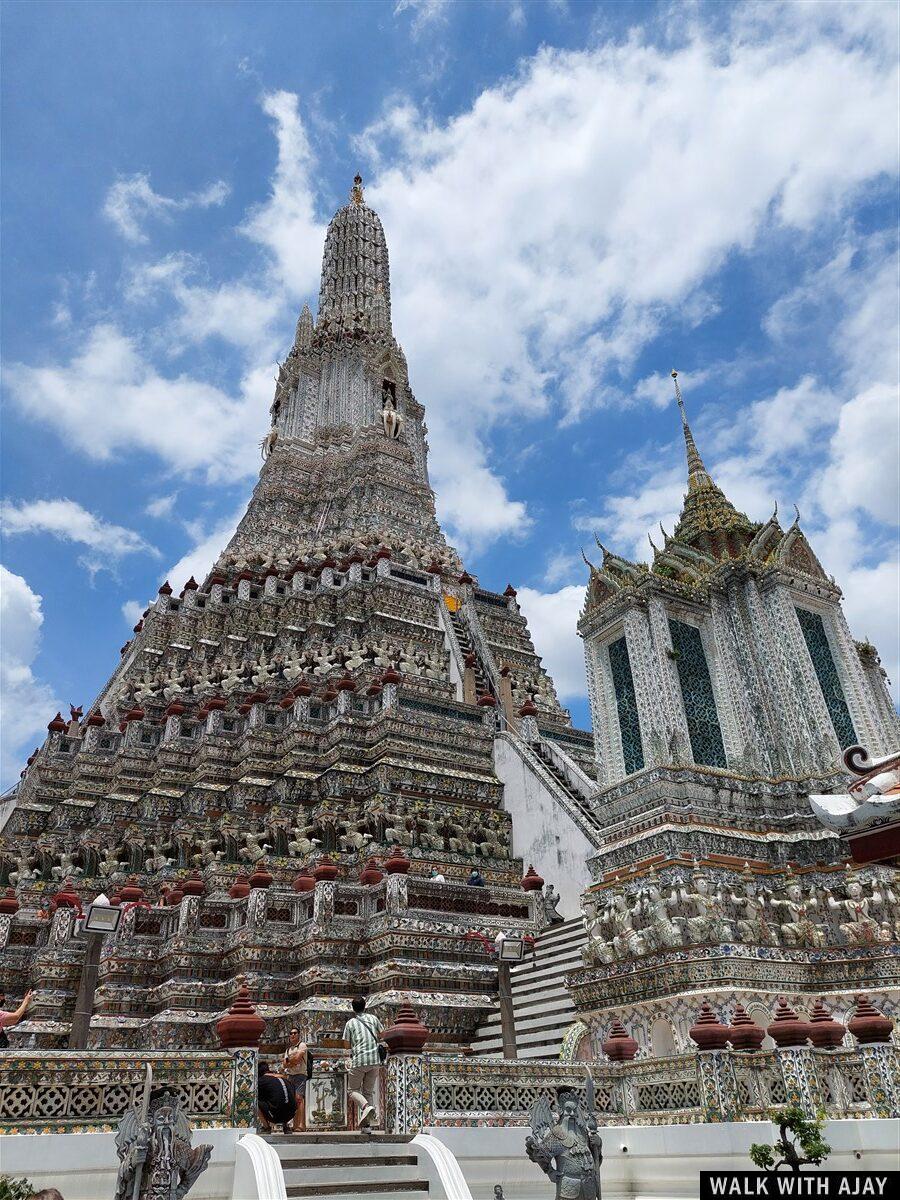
point(509, 950)
point(101, 918)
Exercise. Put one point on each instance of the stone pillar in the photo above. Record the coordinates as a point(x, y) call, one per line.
point(243, 1087)
point(323, 903)
point(301, 708)
point(188, 911)
point(326, 579)
point(354, 575)
point(172, 731)
point(271, 585)
point(383, 568)
point(243, 590)
point(646, 676)
point(470, 691)
point(717, 1084)
point(881, 1067)
point(298, 582)
point(669, 687)
point(408, 1107)
point(798, 1073)
point(864, 707)
point(389, 693)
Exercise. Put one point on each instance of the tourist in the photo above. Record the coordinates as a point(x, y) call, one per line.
point(363, 1032)
point(276, 1102)
point(294, 1066)
point(436, 876)
point(11, 1017)
point(476, 879)
point(50, 1193)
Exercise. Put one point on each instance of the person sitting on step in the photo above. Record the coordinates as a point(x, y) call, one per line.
point(275, 1099)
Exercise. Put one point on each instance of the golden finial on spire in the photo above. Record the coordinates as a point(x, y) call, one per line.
point(356, 192)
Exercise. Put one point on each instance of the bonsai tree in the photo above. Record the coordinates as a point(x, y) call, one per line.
point(799, 1143)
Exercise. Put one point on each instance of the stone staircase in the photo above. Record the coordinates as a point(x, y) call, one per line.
point(350, 1166)
point(543, 1008)
point(482, 684)
point(578, 799)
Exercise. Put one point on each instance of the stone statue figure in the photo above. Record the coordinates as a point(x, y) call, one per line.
point(859, 927)
point(156, 1161)
point(551, 898)
point(565, 1144)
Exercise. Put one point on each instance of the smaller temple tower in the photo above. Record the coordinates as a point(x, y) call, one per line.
point(725, 686)
point(730, 651)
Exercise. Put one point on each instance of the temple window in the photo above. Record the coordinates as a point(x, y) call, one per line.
point(626, 706)
point(819, 648)
point(704, 730)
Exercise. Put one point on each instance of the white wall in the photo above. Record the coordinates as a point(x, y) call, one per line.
point(84, 1165)
point(662, 1162)
point(543, 833)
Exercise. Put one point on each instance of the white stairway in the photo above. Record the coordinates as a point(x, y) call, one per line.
point(543, 1008)
point(350, 1166)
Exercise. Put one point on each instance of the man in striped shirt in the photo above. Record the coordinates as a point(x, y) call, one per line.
point(363, 1032)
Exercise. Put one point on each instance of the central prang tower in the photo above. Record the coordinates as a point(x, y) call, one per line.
point(289, 750)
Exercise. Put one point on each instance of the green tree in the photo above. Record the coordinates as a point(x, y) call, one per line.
point(799, 1142)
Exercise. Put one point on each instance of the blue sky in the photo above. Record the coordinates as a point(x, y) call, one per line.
point(577, 197)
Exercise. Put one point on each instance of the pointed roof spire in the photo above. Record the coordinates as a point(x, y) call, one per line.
point(707, 512)
point(303, 336)
point(694, 461)
point(356, 192)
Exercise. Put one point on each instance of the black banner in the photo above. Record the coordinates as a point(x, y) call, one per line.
point(829, 1185)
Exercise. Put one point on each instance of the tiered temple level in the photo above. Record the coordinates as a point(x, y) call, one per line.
point(333, 688)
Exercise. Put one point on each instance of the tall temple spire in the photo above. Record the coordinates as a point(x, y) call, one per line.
point(694, 461)
point(354, 267)
point(707, 515)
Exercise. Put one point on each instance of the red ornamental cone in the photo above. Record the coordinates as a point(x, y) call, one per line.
point(407, 1035)
point(325, 870)
point(619, 1046)
point(867, 1024)
point(708, 1031)
point(486, 700)
point(242, 1025)
point(9, 903)
point(825, 1032)
point(743, 1032)
point(57, 725)
point(261, 877)
point(528, 709)
point(240, 889)
point(531, 881)
point(371, 874)
point(787, 1029)
point(397, 863)
point(304, 881)
point(194, 885)
point(132, 891)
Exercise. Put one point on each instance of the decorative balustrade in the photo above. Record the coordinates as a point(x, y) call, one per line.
point(426, 1090)
point(85, 1090)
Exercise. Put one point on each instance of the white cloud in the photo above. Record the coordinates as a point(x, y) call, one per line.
point(132, 611)
point(26, 703)
point(240, 313)
point(131, 201)
point(109, 399)
point(69, 522)
point(161, 506)
point(285, 224)
point(209, 544)
point(424, 13)
point(552, 618)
